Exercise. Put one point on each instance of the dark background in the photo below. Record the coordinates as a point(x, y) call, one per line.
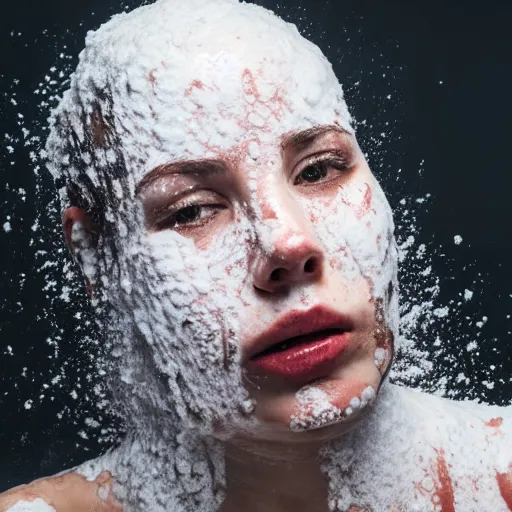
point(445, 66)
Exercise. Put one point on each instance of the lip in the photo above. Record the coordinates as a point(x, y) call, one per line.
point(316, 338)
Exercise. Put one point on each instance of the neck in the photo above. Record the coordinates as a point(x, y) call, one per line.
point(274, 477)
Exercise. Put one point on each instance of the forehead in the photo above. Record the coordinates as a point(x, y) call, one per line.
point(217, 80)
point(221, 106)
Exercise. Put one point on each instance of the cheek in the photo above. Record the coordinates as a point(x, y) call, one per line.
point(228, 261)
point(345, 222)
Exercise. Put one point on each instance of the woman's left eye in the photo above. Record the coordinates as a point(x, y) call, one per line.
point(319, 171)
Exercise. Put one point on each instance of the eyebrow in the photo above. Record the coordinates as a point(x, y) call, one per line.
point(203, 166)
point(299, 141)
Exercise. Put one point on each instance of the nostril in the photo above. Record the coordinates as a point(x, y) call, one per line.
point(310, 266)
point(276, 275)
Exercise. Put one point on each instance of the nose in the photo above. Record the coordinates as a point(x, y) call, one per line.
point(296, 259)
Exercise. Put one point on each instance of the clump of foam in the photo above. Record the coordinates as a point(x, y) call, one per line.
point(315, 410)
point(38, 505)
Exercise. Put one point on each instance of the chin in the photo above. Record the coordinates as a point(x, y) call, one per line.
point(319, 411)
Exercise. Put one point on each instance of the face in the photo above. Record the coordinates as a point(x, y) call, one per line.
point(297, 235)
point(257, 265)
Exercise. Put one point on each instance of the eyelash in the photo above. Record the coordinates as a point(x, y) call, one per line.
point(338, 163)
point(172, 221)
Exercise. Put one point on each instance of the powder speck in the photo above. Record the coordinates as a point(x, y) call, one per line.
point(468, 294)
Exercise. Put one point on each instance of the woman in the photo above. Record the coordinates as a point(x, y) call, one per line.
point(241, 257)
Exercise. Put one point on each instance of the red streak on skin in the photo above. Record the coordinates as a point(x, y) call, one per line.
point(275, 105)
point(505, 484)
point(495, 422)
point(250, 84)
point(442, 495)
point(197, 84)
point(364, 207)
point(152, 78)
point(444, 485)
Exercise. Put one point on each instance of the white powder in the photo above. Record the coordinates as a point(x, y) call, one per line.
point(468, 294)
point(396, 458)
point(199, 83)
point(38, 505)
point(174, 336)
point(314, 410)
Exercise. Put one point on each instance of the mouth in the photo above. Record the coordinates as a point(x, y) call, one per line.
point(297, 342)
point(302, 346)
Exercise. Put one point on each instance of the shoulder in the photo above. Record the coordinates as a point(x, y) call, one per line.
point(463, 447)
point(62, 493)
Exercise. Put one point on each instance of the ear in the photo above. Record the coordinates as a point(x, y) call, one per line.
point(70, 218)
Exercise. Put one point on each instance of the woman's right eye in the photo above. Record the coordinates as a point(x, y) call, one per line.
point(190, 216)
point(187, 214)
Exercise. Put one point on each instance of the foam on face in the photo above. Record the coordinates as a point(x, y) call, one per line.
point(202, 79)
point(167, 80)
point(315, 410)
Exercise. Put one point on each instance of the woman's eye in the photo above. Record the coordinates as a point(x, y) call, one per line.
point(319, 171)
point(190, 216)
point(187, 214)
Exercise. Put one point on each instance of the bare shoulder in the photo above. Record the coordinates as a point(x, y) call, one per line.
point(464, 450)
point(63, 493)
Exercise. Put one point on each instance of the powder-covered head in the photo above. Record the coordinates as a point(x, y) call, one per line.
point(187, 79)
point(213, 148)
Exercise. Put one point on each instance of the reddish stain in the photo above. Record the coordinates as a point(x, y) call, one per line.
point(89, 288)
point(444, 485)
point(366, 203)
point(382, 334)
point(505, 484)
point(249, 82)
point(495, 422)
point(152, 78)
point(364, 207)
point(442, 496)
point(275, 105)
point(335, 263)
point(195, 84)
point(267, 211)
